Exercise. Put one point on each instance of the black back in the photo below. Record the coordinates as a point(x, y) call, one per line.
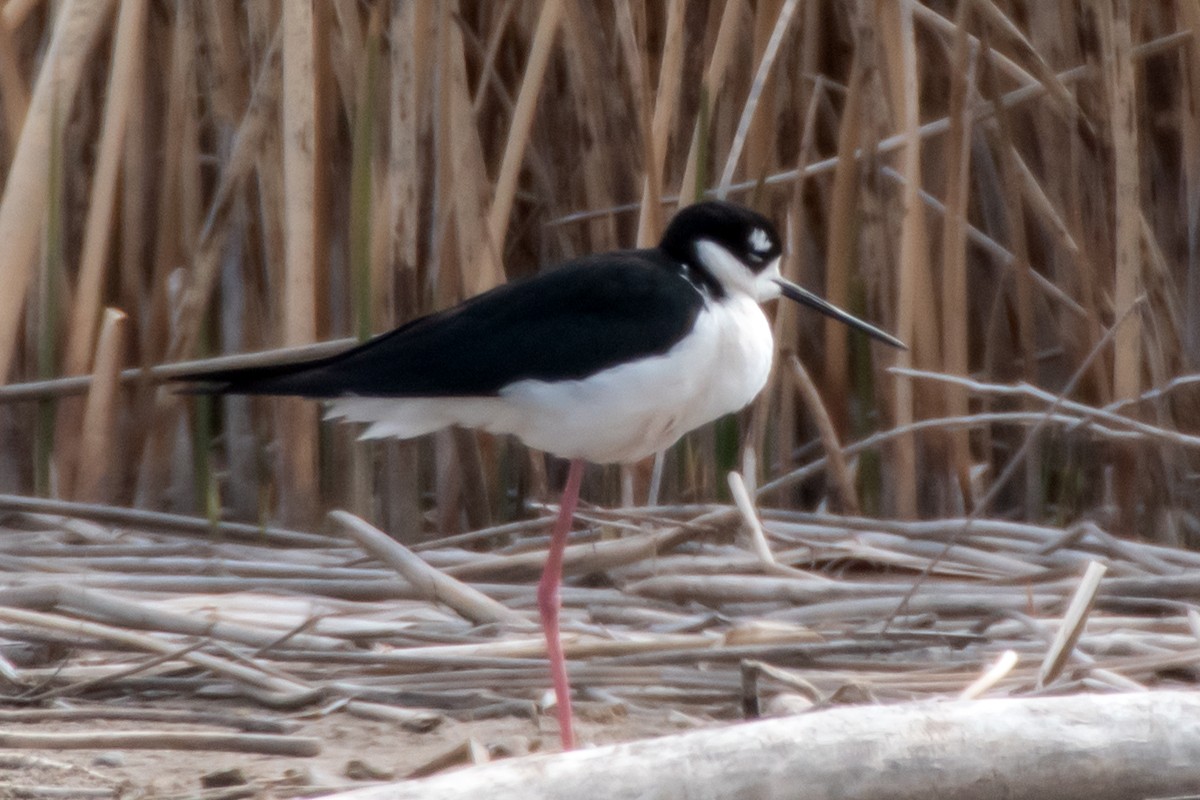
point(576, 320)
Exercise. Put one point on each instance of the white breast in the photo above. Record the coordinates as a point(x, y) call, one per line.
point(632, 411)
point(622, 414)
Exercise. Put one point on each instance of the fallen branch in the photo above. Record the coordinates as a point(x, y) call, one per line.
point(261, 685)
point(1072, 624)
point(437, 586)
point(1089, 747)
point(110, 609)
point(66, 792)
point(597, 556)
point(165, 740)
point(162, 522)
point(171, 715)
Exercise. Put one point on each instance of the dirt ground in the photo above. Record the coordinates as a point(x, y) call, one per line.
point(354, 752)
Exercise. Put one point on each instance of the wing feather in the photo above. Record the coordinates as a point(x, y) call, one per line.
point(571, 322)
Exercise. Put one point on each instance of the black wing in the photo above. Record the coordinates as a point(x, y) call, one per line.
point(566, 324)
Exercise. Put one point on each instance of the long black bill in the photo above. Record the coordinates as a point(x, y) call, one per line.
point(802, 295)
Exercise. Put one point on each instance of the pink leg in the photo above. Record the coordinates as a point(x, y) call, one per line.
point(548, 602)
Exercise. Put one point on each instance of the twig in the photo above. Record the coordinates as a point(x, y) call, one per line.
point(109, 678)
point(1072, 624)
point(432, 584)
point(599, 556)
point(181, 716)
point(19, 792)
point(160, 521)
point(418, 721)
point(1031, 418)
point(1085, 412)
point(745, 506)
point(1018, 457)
point(284, 691)
point(839, 473)
point(109, 608)
point(165, 740)
point(993, 675)
point(14, 761)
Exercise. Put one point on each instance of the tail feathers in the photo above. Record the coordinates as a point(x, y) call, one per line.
point(281, 379)
point(386, 417)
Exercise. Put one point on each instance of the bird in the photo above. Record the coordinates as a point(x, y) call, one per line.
point(608, 358)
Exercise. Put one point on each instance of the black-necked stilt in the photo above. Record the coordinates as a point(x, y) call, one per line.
point(609, 358)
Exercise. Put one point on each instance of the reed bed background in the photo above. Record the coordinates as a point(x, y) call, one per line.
point(1013, 188)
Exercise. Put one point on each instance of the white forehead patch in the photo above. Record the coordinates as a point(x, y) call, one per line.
point(759, 241)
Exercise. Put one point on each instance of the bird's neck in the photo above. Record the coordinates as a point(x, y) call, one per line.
point(704, 280)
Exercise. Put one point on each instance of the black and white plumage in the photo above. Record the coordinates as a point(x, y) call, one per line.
point(609, 358)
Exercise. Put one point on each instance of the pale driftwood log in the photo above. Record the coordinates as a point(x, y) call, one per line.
point(471, 603)
point(1087, 747)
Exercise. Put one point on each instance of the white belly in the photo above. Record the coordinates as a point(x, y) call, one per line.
point(622, 414)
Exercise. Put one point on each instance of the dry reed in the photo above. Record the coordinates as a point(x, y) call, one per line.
point(997, 186)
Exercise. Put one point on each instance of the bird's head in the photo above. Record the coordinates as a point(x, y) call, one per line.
point(736, 251)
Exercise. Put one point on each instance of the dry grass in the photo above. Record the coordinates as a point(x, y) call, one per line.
point(287, 623)
point(997, 181)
